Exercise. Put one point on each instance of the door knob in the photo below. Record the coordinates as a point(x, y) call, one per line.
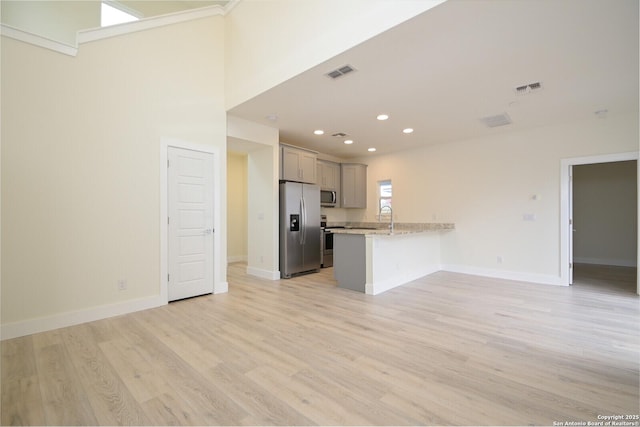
point(207, 231)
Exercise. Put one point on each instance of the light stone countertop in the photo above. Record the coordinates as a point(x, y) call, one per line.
point(376, 228)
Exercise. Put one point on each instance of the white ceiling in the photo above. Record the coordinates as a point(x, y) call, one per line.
point(443, 70)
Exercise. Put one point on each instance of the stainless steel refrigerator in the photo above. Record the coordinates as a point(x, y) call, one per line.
point(299, 228)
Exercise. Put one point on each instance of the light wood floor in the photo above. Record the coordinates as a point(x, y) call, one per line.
point(445, 349)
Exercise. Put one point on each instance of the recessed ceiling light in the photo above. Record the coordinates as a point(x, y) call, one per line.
point(371, 149)
point(407, 130)
point(382, 117)
point(348, 141)
point(318, 132)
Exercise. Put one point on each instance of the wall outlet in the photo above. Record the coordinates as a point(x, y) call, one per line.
point(122, 284)
point(499, 259)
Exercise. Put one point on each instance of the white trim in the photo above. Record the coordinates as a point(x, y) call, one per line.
point(0, 214)
point(93, 34)
point(219, 286)
point(236, 258)
point(602, 158)
point(62, 320)
point(231, 5)
point(543, 279)
point(36, 40)
point(263, 274)
point(565, 231)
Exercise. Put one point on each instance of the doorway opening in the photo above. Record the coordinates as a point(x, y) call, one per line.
point(605, 225)
point(599, 215)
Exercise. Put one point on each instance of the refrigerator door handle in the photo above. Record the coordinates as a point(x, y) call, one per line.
point(303, 233)
point(304, 202)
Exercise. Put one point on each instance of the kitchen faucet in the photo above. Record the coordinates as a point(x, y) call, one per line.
point(390, 216)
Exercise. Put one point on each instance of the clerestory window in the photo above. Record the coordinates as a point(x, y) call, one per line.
point(112, 15)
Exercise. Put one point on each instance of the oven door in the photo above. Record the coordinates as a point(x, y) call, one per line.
point(327, 248)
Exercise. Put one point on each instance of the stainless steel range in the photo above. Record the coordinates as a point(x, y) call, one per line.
point(326, 259)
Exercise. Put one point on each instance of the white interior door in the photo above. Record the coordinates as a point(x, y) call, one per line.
point(190, 223)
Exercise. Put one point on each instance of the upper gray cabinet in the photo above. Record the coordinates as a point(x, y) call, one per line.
point(298, 165)
point(354, 185)
point(328, 175)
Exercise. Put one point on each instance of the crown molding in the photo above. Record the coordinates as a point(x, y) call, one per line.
point(229, 6)
point(93, 34)
point(36, 40)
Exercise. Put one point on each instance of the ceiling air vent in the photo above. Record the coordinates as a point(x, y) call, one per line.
point(528, 88)
point(339, 134)
point(339, 72)
point(497, 120)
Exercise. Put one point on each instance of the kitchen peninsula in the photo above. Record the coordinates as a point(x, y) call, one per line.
point(372, 260)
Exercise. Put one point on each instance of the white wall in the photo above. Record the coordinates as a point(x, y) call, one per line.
point(270, 41)
point(486, 185)
point(81, 144)
point(236, 206)
point(605, 197)
point(263, 246)
point(56, 20)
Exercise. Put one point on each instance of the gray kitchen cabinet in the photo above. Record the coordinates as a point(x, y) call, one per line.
point(328, 175)
point(298, 164)
point(354, 185)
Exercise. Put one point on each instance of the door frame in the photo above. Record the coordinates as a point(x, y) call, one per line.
point(566, 238)
point(219, 269)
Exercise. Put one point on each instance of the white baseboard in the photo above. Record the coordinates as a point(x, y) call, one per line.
point(56, 321)
point(263, 274)
point(543, 279)
point(221, 288)
point(43, 324)
point(236, 258)
point(605, 261)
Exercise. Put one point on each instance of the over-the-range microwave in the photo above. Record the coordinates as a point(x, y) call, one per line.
point(328, 198)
